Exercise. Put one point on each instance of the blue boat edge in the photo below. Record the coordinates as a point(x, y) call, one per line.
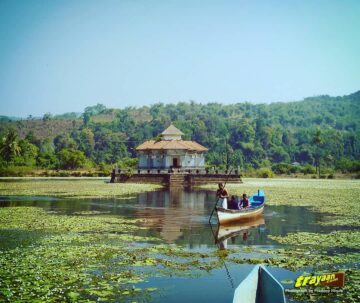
point(259, 286)
point(257, 199)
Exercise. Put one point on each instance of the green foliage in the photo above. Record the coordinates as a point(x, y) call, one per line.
point(320, 131)
point(265, 172)
point(71, 159)
point(282, 168)
point(15, 171)
point(9, 148)
point(348, 166)
point(278, 154)
point(27, 155)
point(308, 169)
point(47, 117)
point(128, 163)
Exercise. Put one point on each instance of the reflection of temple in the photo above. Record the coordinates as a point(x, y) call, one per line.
point(174, 197)
point(171, 211)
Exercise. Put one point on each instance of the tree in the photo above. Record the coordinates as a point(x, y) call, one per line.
point(278, 154)
point(64, 141)
point(47, 117)
point(72, 159)
point(28, 154)
point(10, 146)
point(317, 140)
point(85, 141)
point(304, 155)
point(86, 118)
point(47, 157)
point(96, 109)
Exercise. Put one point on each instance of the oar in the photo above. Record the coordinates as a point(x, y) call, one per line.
point(218, 245)
point(218, 199)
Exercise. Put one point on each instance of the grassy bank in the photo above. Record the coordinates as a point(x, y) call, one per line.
point(70, 188)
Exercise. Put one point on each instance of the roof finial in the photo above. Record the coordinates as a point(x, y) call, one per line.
point(171, 133)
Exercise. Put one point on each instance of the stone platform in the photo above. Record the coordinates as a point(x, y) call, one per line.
point(175, 178)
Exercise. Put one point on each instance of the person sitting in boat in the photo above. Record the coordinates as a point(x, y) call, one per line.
point(233, 203)
point(222, 195)
point(244, 202)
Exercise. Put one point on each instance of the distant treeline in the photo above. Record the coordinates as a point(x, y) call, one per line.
point(282, 137)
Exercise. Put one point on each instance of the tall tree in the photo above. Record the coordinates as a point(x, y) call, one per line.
point(10, 146)
point(317, 140)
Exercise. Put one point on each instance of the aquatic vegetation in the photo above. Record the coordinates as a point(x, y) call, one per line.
point(339, 203)
point(82, 258)
point(91, 256)
point(73, 188)
point(348, 239)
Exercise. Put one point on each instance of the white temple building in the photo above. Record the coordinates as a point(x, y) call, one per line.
point(171, 152)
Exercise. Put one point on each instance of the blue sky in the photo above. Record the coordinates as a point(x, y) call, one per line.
point(61, 56)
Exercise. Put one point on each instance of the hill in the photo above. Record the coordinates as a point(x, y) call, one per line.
point(321, 128)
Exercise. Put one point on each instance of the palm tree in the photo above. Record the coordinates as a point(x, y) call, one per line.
point(317, 140)
point(9, 147)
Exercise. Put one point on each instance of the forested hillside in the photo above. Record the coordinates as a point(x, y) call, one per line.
point(316, 130)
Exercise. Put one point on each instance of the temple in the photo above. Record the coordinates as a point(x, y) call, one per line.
point(172, 161)
point(171, 152)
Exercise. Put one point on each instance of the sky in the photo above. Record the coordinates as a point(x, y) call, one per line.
point(61, 56)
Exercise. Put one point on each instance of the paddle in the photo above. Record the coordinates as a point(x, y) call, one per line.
point(217, 200)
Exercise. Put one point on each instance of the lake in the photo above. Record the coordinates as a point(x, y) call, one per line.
point(180, 217)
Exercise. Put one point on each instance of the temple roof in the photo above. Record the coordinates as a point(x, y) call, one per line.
point(172, 131)
point(171, 144)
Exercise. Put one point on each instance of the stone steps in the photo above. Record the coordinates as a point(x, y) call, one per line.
point(176, 179)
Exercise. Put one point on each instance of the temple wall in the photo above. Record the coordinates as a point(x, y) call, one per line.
point(161, 160)
point(191, 179)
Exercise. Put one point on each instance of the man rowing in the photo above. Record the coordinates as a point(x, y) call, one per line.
point(222, 195)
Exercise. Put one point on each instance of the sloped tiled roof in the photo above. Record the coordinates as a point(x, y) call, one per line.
point(172, 131)
point(171, 144)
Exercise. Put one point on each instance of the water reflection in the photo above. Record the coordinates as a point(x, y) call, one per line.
point(181, 216)
point(242, 230)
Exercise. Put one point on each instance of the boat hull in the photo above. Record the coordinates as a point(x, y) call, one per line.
point(260, 286)
point(226, 216)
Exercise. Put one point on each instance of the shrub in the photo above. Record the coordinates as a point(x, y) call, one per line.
point(72, 159)
point(64, 173)
point(16, 171)
point(308, 169)
point(128, 163)
point(281, 168)
point(265, 173)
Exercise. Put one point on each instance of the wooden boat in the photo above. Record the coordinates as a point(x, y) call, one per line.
point(259, 286)
point(237, 228)
point(257, 201)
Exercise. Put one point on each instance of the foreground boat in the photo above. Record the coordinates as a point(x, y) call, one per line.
point(259, 286)
point(256, 208)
